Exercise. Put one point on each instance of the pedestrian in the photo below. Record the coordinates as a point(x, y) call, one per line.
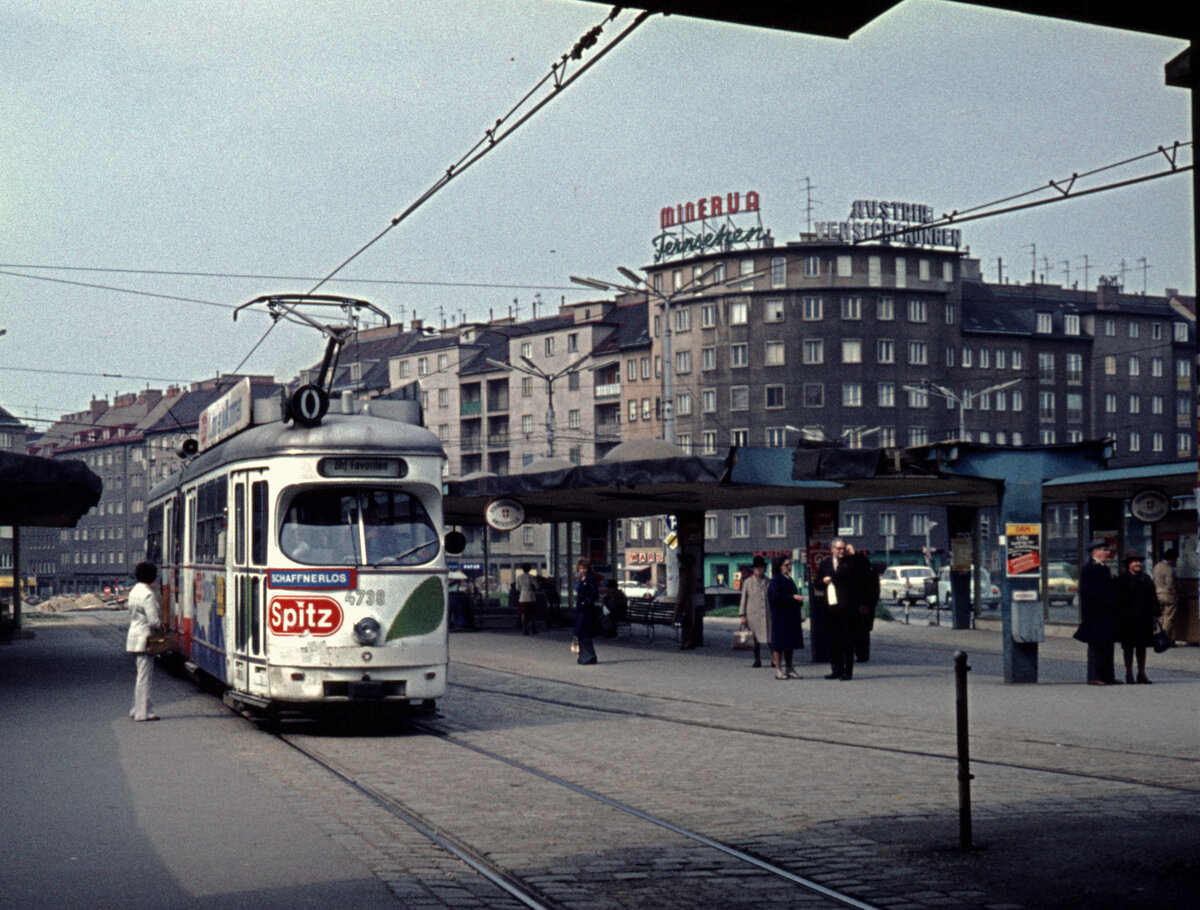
point(868, 600)
point(587, 610)
point(527, 600)
point(753, 608)
point(783, 605)
point(838, 576)
point(616, 608)
point(1097, 615)
point(1168, 595)
point(1137, 610)
point(685, 600)
point(145, 617)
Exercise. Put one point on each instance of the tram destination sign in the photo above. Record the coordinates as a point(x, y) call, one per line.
point(362, 466)
point(229, 414)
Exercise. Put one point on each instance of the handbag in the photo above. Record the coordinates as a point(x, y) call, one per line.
point(1162, 641)
point(159, 642)
point(743, 639)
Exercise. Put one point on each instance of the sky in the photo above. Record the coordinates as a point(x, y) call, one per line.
point(255, 147)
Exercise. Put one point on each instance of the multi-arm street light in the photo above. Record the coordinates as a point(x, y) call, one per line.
point(533, 369)
point(639, 285)
point(963, 401)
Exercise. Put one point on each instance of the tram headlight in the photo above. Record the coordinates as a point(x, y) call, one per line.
point(367, 630)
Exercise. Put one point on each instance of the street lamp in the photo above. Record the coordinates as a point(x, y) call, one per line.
point(533, 369)
point(639, 285)
point(963, 401)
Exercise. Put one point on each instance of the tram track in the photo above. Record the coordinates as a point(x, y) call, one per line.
point(899, 751)
point(512, 883)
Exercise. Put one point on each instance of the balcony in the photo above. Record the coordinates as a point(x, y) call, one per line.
point(497, 440)
point(608, 430)
point(608, 390)
point(470, 409)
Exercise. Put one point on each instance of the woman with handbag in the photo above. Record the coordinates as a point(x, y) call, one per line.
point(753, 610)
point(1137, 613)
point(144, 617)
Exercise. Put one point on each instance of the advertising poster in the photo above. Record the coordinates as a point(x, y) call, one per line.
point(1024, 549)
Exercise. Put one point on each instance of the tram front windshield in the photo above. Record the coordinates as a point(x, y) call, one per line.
point(352, 526)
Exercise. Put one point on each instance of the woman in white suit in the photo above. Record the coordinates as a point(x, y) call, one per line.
point(144, 617)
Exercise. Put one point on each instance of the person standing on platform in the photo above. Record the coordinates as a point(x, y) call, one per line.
point(527, 600)
point(145, 617)
point(1137, 609)
point(1097, 615)
point(783, 605)
point(753, 608)
point(868, 597)
point(837, 575)
point(587, 610)
point(1168, 595)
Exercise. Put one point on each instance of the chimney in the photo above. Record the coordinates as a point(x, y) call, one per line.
point(1108, 293)
point(417, 325)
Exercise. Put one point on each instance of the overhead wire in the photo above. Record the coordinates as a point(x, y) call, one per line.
point(492, 136)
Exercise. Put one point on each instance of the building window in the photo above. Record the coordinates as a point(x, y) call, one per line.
point(1018, 360)
point(1110, 327)
point(918, 353)
point(851, 350)
point(527, 386)
point(776, 524)
point(1156, 442)
point(844, 267)
point(885, 309)
point(631, 369)
point(1045, 405)
point(1180, 332)
point(708, 401)
point(683, 404)
point(683, 362)
point(1135, 441)
point(917, 398)
point(814, 394)
point(812, 266)
point(645, 367)
point(1156, 367)
point(1075, 407)
point(739, 398)
point(775, 353)
point(422, 366)
point(852, 394)
point(633, 410)
point(1018, 400)
point(1135, 404)
point(774, 396)
point(918, 311)
point(918, 523)
point(708, 316)
point(738, 312)
point(1046, 366)
point(1156, 404)
point(1075, 368)
point(773, 310)
point(814, 350)
point(887, 524)
point(573, 342)
point(708, 440)
point(887, 394)
point(813, 311)
point(740, 437)
point(852, 308)
point(874, 271)
point(708, 358)
point(968, 358)
point(776, 437)
point(923, 269)
point(778, 272)
point(853, 521)
point(710, 527)
point(683, 319)
point(741, 525)
point(949, 313)
point(1044, 324)
point(1071, 324)
point(527, 422)
point(885, 351)
point(647, 409)
point(550, 346)
point(1135, 366)
point(684, 441)
point(901, 272)
point(739, 355)
point(573, 418)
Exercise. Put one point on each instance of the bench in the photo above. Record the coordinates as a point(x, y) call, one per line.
point(651, 613)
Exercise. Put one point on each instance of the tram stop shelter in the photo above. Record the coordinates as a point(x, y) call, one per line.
point(649, 477)
point(43, 493)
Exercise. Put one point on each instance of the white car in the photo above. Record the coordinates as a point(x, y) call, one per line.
point(904, 582)
point(990, 598)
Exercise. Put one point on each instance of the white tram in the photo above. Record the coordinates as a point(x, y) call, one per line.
point(302, 559)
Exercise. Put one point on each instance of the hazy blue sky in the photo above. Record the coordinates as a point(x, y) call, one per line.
point(275, 139)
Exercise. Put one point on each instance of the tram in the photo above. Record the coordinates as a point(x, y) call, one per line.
point(302, 550)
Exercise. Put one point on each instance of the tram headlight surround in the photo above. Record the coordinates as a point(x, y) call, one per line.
point(367, 630)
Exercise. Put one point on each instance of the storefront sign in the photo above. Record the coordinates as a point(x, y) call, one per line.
point(708, 237)
point(872, 218)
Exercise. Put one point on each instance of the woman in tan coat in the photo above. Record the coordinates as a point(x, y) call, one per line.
point(753, 612)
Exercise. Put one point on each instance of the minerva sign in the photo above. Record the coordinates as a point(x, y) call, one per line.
point(678, 240)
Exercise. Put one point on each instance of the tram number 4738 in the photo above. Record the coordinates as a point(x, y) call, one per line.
point(304, 615)
point(361, 598)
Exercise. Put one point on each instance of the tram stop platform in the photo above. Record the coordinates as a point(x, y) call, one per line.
point(99, 811)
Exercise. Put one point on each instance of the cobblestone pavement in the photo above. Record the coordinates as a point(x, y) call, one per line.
point(1081, 797)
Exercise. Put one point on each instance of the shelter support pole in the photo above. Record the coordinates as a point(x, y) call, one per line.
point(1022, 619)
point(820, 528)
point(689, 530)
point(960, 525)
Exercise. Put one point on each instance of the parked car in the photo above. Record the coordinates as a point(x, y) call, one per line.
point(1061, 584)
point(904, 582)
point(990, 598)
point(640, 592)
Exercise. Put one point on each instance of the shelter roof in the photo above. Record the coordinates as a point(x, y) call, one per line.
point(45, 493)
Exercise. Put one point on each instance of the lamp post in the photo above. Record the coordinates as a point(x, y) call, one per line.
point(533, 369)
point(963, 400)
point(639, 285)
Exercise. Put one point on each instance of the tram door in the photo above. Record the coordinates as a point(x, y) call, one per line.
point(247, 562)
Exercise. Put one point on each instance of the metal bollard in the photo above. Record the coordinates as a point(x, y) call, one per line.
point(964, 751)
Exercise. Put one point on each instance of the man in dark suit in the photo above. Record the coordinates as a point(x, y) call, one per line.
point(837, 578)
point(1098, 614)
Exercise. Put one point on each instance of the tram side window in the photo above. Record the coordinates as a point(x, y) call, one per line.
point(331, 526)
point(211, 521)
point(239, 524)
point(258, 523)
point(154, 535)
